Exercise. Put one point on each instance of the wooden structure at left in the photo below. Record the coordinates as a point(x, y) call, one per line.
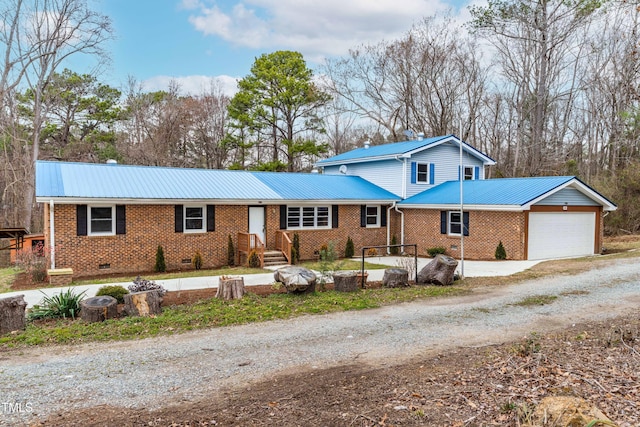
point(17, 236)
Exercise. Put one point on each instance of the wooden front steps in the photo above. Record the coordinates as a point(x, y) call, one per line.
point(274, 258)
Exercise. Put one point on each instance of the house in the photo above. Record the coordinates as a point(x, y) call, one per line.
point(110, 218)
point(535, 218)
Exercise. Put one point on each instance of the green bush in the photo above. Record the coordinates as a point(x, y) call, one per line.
point(349, 249)
point(294, 255)
point(501, 253)
point(196, 261)
point(254, 259)
point(116, 291)
point(231, 252)
point(160, 266)
point(435, 251)
point(394, 250)
point(296, 246)
point(65, 304)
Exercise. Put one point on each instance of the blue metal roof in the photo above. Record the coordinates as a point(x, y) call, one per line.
point(505, 191)
point(301, 186)
point(383, 150)
point(107, 181)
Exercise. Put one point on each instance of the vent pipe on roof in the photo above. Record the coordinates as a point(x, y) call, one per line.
point(367, 143)
point(420, 136)
point(314, 170)
point(112, 162)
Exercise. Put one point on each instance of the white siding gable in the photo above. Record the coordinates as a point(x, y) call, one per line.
point(384, 173)
point(569, 197)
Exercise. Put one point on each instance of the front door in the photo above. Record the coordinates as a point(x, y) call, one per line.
point(256, 222)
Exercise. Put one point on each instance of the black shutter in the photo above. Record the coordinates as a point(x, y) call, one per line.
point(81, 220)
point(383, 216)
point(211, 218)
point(363, 215)
point(283, 217)
point(121, 219)
point(443, 222)
point(334, 216)
point(178, 216)
point(465, 222)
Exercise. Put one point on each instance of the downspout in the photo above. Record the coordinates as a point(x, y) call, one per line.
point(395, 207)
point(52, 236)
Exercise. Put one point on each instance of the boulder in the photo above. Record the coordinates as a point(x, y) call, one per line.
point(296, 279)
point(439, 271)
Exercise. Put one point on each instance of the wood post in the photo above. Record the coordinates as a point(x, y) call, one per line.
point(345, 281)
point(230, 288)
point(12, 314)
point(98, 309)
point(145, 303)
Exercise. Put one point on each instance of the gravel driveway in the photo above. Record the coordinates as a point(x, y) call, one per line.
point(167, 370)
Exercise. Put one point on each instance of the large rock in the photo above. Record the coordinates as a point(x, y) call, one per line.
point(439, 271)
point(296, 279)
point(12, 314)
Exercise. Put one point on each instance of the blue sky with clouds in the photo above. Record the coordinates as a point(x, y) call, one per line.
point(193, 41)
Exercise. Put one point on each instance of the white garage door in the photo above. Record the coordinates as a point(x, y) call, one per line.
point(561, 234)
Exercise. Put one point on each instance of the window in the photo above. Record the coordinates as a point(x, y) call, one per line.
point(423, 173)
point(194, 219)
point(308, 217)
point(373, 216)
point(101, 220)
point(468, 173)
point(455, 225)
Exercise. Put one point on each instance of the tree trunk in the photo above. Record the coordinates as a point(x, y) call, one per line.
point(395, 278)
point(345, 281)
point(143, 303)
point(98, 309)
point(439, 271)
point(12, 317)
point(230, 288)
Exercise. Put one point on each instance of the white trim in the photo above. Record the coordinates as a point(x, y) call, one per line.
point(428, 173)
point(461, 222)
point(113, 220)
point(574, 183)
point(52, 235)
point(378, 216)
point(511, 208)
point(184, 219)
point(230, 202)
point(315, 217)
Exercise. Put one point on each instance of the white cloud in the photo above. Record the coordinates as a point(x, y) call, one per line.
point(315, 28)
point(192, 85)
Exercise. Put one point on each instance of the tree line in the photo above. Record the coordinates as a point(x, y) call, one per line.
point(545, 87)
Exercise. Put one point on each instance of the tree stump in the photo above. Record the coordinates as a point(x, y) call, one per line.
point(439, 271)
point(395, 278)
point(230, 288)
point(345, 281)
point(98, 309)
point(296, 279)
point(12, 314)
point(143, 303)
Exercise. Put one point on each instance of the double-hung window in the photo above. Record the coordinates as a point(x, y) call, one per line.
point(422, 172)
point(308, 217)
point(194, 219)
point(455, 223)
point(101, 220)
point(372, 216)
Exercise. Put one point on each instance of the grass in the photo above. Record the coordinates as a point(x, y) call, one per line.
point(345, 264)
point(7, 276)
point(217, 313)
point(536, 300)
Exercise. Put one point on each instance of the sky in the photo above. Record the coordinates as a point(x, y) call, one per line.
point(193, 41)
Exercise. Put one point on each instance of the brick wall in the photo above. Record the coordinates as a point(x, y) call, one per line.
point(148, 226)
point(486, 229)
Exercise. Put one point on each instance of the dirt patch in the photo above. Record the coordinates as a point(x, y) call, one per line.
point(484, 386)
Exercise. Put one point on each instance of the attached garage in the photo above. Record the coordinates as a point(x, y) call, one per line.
point(561, 234)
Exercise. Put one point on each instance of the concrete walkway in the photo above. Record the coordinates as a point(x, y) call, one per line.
point(471, 269)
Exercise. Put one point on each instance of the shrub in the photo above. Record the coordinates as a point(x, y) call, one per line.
point(34, 262)
point(294, 255)
point(116, 291)
point(142, 285)
point(501, 253)
point(160, 266)
point(254, 259)
point(394, 250)
point(65, 304)
point(349, 249)
point(327, 263)
point(296, 246)
point(231, 252)
point(196, 261)
point(435, 251)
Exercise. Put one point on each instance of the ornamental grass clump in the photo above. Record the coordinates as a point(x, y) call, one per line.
point(66, 304)
point(143, 285)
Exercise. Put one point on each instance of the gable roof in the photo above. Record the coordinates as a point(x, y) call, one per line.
point(83, 182)
point(500, 194)
point(399, 149)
